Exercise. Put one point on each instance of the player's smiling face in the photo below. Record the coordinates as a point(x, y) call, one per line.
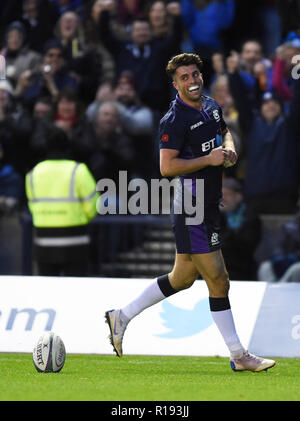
point(189, 83)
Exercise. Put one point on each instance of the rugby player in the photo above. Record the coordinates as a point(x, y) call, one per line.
point(194, 144)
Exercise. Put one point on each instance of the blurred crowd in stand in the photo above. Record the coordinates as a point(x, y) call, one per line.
point(96, 71)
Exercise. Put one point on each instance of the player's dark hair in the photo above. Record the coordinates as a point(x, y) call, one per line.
point(184, 59)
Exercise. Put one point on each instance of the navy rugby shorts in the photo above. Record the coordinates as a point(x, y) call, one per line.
point(197, 239)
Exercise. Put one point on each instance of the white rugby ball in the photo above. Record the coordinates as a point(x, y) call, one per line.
point(49, 354)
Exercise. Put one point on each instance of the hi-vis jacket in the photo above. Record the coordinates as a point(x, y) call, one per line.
point(61, 193)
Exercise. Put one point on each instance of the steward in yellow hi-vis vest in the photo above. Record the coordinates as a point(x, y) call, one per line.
point(62, 199)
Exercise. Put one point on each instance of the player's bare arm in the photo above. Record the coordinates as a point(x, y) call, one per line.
point(229, 149)
point(171, 165)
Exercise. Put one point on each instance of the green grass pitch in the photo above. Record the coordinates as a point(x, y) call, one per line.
point(146, 378)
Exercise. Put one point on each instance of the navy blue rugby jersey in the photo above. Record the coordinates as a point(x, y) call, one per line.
point(195, 133)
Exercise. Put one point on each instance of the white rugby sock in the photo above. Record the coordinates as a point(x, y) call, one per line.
point(222, 315)
point(153, 294)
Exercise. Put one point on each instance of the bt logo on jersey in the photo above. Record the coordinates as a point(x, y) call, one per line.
point(206, 146)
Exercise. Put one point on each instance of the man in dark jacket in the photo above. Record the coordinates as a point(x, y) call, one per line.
point(272, 148)
point(144, 56)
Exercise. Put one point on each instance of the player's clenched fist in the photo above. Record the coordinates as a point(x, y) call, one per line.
point(230, 157)
point(217, 156)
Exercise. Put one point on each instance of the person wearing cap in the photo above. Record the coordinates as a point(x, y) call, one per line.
point(272, 157)
point(241, 232)
point(18, 56)
point(51, 77)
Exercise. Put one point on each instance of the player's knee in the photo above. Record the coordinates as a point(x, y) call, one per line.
point(187, 282)
point(184, 281)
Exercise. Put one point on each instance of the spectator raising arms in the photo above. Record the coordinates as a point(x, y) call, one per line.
point(80, 58)
point(143, 56)
point(51, 77)
point(272, 139)
point(65, 114)
point(205, 19)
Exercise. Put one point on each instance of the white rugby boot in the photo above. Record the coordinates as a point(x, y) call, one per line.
point(251, 362)
point(117, 328)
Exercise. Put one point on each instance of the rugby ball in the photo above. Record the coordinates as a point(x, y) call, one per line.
point(49, 354)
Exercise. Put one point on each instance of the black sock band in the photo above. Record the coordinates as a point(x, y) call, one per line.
point(219, 304)
point(165, 286)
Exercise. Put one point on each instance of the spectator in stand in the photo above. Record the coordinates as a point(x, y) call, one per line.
point(80, 59)
point(101, 54)
point(50, 79)
point(123, 13)
point(240, 232)
point(158, 19)
point(162, 16)
point(272, 141)
point(138, 123)
point(43, 108)
point(205, 19)
point(165, 20)
point(282, 69)
point(68, 116)
point(137, 119)
point(284, 264)
point(105, 146)
point(221, 93)
point(39, 18)
point(143, 56)
point(254, 69)
point(18, 56)
point(15, 127)
point(105, 92)
point(218, 66)
point(67, 111)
